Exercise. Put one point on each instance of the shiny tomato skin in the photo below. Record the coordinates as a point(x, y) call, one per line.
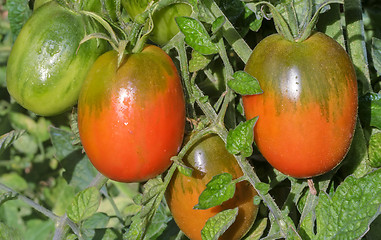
point(209, 157)
point(308, 110)
point(165, 26)
point(131, 119)
point(46, 66)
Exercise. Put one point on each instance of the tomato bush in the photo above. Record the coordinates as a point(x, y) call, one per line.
point(131, 118)
point(134, 109)
point(307, 113)
point(165, 26)
point(208, 158)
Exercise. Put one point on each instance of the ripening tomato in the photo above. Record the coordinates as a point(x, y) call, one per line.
point(209, 157)
point(165, 26)
point(308, 110)
point(131, 118)
point(46, 67)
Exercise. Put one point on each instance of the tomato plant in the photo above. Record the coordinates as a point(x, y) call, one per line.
point(209, 157)
point(130, 122)
point(47, 67)
point(165, 26)
point(131, 118)
point(307, 113)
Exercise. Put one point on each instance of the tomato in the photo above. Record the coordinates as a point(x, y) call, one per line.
point(165, 26)
point(46, 68)
point(209, 157)
point(308, 110)
point(131, 118)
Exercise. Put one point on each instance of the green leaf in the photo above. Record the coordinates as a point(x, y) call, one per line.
point(62, 142)
point(6, 197)
point(218, 224)
point(244, 84)
point(259, 228)
point(218, 190)
point(183, 169)
point(38, 229)
point(98, 221)
point(218, 23)
point(59, 196)
point(354, 205)
point(18, 14)
point(153, 192)
point(14, 181)
point(256, 24)
point(6, 140)
point(263, 188)
point(84, 205)
point(8, 232)
point(370, 110)
point(375, 150)
point(198, 61)
point(356, 161)
point(240, 139)
point(158, 223)
point(196, 35)
point(26, 144)
point(376, 54)
point(79, 172)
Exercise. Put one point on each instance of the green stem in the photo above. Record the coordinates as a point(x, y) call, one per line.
point(113, 204)
point(230, 33)
point(356, 43)
point(31, 203)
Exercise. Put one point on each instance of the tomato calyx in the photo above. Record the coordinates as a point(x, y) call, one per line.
point(292, 30)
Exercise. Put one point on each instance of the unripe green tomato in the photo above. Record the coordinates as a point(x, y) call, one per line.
point(165, 26)
point(46, 67)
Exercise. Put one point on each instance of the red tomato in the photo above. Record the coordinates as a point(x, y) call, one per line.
point(131, 119)
point(208, 158)
point(308, 110)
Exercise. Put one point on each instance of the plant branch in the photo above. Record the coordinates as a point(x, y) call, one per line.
point(31, 203)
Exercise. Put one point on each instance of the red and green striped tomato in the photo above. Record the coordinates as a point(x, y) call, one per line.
point(131, 118)
point(209, 157)
point(47, 67)
point(308, 110)
point(165, 26)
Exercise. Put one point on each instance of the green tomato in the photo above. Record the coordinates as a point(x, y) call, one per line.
point(46, 67)
point(165, 26)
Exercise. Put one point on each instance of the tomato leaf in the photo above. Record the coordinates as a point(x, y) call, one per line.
point(7, 232)
point(6, 197)
point(354, 205)
point(376, 54)
point(244, 84)
point(218, 224)
point(256, 24)
point(375, 150)
point(62, 142)
point(263, 188)
point(6, 140)
point(84, 205)
point(153, 192)
point(196, 35)
point(370, 110)
point(259, 228)
point(198, 61)
point(218, 190)
point(218, 23)
point(240, 139)
point(18, 14)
